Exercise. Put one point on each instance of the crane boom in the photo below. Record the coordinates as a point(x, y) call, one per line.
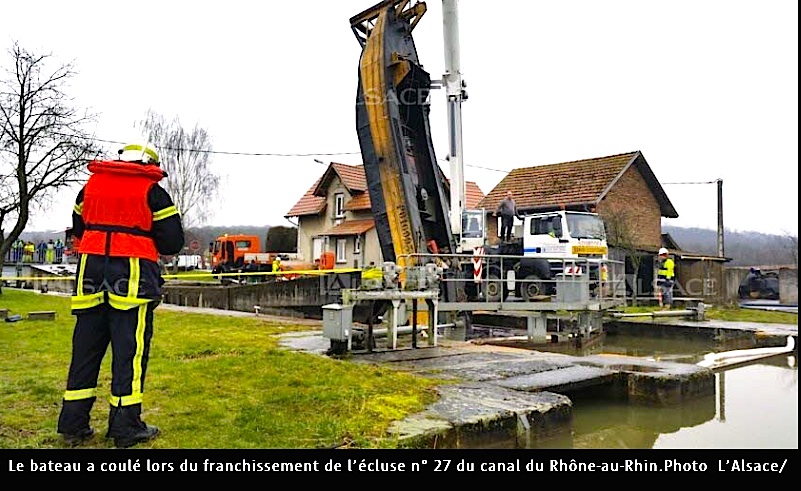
point(455, 93)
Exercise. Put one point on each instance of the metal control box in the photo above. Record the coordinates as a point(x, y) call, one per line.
point(337, 321)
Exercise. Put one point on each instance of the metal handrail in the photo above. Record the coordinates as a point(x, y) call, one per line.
point(612, 286)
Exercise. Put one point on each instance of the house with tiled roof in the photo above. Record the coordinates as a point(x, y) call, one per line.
point(624, 191)
point(620, 188)
point(335, 215)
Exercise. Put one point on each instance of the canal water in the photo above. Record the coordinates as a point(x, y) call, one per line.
point(755, 406)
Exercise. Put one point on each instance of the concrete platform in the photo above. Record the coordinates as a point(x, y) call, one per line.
point(496, 396)
point(513, 397)
point(767, 334)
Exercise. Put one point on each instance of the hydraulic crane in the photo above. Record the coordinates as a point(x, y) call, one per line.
point(456, 94)
point(405, 183)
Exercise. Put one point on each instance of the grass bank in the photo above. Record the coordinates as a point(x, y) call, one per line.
point(213, 382)
point(735, 314)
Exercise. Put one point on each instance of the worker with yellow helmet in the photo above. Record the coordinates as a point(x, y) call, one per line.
point(665, 278)
point(124, 220)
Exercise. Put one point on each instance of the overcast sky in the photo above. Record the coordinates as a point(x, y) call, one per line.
point(705, 89)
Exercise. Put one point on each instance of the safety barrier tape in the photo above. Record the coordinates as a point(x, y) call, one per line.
point(195, 275)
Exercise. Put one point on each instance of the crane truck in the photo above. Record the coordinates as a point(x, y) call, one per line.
point(413, 213)
point(241, 253)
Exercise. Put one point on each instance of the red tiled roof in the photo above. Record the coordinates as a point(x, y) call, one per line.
point(353, 177)
point(472, 194)
point(359, 202)
point(350, 227)
point(569, 183)
point(309, 204)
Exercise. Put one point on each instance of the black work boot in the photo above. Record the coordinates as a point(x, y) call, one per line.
point(73, 421)
point(127, 428)
point(73, 439)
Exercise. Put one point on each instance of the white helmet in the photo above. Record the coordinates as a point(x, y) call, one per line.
point(135, 152)
point(663, 251)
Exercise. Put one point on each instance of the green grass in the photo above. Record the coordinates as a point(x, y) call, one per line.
point(213, 382)
point(220, 382)
point(734, 314)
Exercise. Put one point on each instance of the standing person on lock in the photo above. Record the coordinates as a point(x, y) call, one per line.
point(19, 250)
point(507, 209)
point(665, 277)
point(50, 252)
point(59, 251)
point(124, 220)
point(41, 251)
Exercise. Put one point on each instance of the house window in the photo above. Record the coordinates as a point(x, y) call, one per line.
point(317, 248)
point(357, 244)
point(339, 205)
point(341, 250)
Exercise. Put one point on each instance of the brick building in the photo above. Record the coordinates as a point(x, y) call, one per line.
point(624, 191)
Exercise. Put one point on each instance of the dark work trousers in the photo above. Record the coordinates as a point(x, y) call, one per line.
point(129, 332)
point(506, 227)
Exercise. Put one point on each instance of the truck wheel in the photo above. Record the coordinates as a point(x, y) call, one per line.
point(493, 288)
point(464, 321)
point(469, 292)
point(532, 288)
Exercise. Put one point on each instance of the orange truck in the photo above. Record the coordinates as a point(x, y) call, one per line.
point(240, 253)
point(233, 252)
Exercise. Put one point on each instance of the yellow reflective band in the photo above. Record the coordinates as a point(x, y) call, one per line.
point(124, 303)
point(77, 395)
point(125, 400)
point(78, 209)
point(133, 278)
point(165, 213)
point(136, 386)
point(80, 302)
point(138, 148)
point(81, 270)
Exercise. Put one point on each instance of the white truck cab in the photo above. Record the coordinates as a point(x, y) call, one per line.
point(473, 230)
point(544, 246)
point(564, 234)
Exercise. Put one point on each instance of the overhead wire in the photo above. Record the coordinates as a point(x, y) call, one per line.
point(271, 154)
point(247, 154)
point(698, 182)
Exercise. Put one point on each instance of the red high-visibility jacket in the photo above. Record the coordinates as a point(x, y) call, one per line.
point(116, 212)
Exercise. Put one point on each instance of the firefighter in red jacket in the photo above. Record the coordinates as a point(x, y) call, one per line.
point(124, 220)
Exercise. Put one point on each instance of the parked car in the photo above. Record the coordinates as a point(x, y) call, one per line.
point(759, 285)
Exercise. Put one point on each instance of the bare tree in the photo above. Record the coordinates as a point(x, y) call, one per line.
point(185, 157)
point(620, 235)
point(791, 246)
point(43, 144)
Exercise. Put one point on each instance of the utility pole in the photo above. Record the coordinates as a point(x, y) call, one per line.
point(720, 218)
